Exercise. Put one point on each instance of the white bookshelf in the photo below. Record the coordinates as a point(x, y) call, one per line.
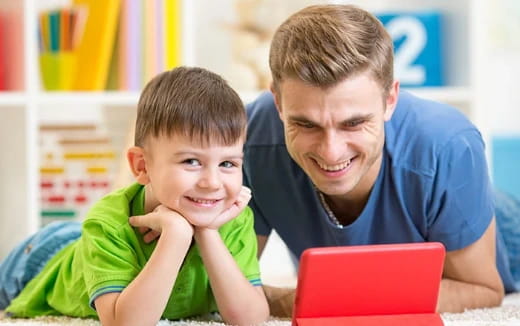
point(21, 111)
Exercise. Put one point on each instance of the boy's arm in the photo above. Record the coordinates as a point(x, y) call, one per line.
point(144, 300)
point(239, 302)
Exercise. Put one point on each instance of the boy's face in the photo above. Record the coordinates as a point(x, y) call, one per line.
point(197, 182)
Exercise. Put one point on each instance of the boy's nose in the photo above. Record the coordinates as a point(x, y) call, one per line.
point(210, 180)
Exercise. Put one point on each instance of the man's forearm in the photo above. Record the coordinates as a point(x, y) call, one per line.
point(456, 296)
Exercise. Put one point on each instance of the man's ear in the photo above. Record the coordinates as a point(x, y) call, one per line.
point(277, 99)
point(391, 100)
point(137, 163)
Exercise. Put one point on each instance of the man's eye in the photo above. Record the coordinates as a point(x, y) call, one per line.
point(354, 123)
point(227, 164)
point(192, 162)
point(306, 125)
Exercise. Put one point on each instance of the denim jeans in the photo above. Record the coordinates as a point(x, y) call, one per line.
point(28, 258)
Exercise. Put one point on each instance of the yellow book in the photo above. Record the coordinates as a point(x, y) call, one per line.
point(172, 35)
point(95, 48)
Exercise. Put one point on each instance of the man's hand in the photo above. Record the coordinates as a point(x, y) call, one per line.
point(280, 300)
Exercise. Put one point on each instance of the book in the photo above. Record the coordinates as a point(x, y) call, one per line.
point(96, 46)
point(2, 55)
point(172, 35)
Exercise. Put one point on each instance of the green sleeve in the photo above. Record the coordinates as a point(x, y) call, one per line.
point(111, 259)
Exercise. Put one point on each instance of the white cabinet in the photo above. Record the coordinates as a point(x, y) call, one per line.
point(21, 111)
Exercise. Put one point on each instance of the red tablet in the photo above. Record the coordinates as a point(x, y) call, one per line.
point(391, 284)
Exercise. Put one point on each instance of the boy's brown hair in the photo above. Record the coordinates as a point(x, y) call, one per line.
point(192, 102)
point(325, 44)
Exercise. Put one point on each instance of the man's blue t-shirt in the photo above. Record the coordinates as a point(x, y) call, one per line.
point(433, 184)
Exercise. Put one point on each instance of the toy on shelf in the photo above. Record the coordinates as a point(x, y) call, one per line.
point(77, 168)
point(418, 47)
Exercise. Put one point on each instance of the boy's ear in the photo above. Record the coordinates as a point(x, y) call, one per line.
point(137, 163)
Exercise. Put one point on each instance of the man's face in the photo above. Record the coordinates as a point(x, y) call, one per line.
point(336, 134)
point(197, 182)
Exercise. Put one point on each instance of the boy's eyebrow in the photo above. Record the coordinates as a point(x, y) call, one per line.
point(188, 153)
point(241, 156)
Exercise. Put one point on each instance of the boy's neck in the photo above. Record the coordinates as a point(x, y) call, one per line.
point(150, 202)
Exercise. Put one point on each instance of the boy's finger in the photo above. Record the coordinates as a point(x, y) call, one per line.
point(135, 220)
point(151, 236)
point(143, 229)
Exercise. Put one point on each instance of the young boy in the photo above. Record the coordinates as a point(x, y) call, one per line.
point(187, 161)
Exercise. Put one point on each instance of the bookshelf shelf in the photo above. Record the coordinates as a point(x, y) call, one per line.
point(12, 99)
point(108, 98)
point(455, 95)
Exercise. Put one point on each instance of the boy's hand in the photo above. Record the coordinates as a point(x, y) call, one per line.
point(150, 234)
point(243, 198)
point(153, 223)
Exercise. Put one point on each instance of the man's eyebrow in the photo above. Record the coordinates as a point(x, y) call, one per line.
point(298, 118)
point(355, 117)
point(358, 116)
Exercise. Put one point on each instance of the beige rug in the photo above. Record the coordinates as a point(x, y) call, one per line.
point(506, 315)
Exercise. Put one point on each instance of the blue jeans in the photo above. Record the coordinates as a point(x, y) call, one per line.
point(28, 258)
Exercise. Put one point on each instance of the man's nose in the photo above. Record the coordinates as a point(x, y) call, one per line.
point(331, 147)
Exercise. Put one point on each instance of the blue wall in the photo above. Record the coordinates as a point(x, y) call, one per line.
point(506, 164)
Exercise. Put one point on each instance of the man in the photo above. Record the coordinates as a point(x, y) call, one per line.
point(337, 155)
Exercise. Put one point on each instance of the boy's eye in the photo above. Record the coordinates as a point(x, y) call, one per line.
point(227, 164)
point(192, 162)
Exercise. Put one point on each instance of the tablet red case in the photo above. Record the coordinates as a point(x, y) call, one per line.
point(391, 284)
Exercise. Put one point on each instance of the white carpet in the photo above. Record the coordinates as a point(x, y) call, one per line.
point(506, 315)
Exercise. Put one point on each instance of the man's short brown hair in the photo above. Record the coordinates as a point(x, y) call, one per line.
point(325, 44)
point(192, 102)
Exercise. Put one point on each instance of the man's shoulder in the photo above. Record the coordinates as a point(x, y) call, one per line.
point(420, 130)
point(426, 117)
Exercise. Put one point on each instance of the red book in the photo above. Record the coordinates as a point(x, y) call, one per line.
point(3, 56)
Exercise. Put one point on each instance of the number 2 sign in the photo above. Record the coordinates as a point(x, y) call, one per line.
point(417, 47)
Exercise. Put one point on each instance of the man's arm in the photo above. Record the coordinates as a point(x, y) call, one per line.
point(470, 276)
point(280, 300)
point(261, 241)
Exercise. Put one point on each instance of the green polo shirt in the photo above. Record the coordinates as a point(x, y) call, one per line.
point(110, 253)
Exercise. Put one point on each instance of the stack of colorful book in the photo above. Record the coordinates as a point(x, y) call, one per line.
point(111, 44)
